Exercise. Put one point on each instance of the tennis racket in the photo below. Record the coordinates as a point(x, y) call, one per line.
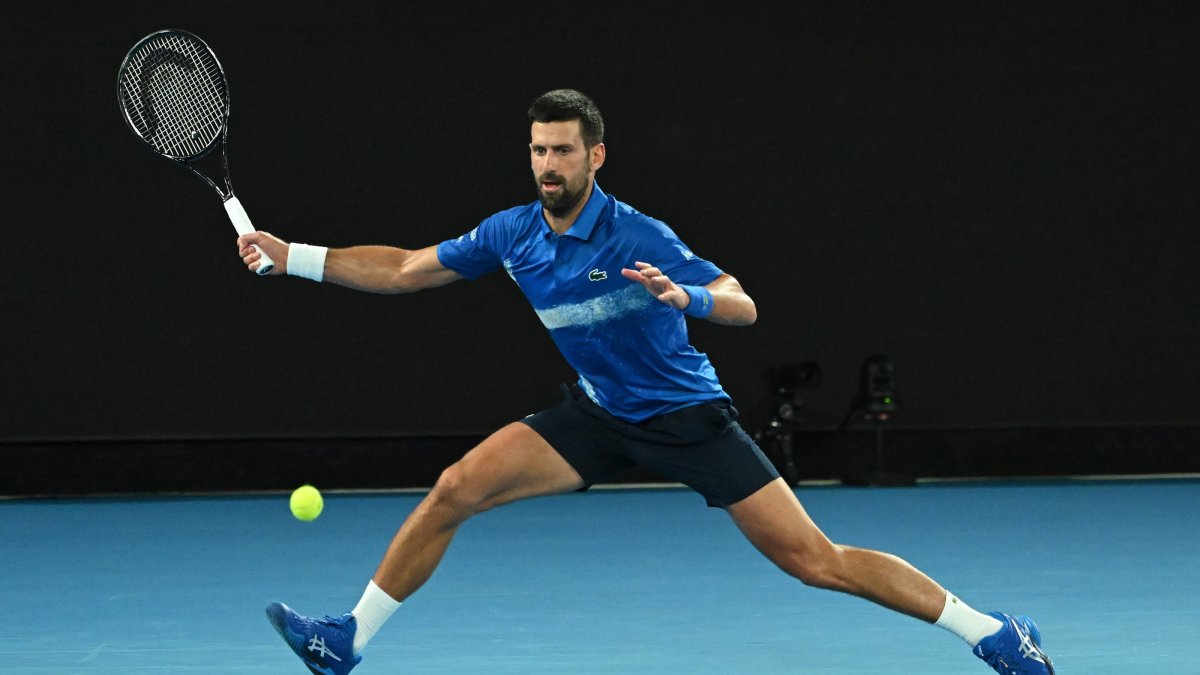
point(173, 95)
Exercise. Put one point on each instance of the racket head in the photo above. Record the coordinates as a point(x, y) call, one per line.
point(173, 94)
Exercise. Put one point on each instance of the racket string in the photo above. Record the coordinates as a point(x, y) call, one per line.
point(186, 98)
point(178, 110)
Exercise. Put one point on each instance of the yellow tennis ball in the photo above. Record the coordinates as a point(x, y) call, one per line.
point(306, 502)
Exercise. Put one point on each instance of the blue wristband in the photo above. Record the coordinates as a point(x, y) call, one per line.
point(701, 304)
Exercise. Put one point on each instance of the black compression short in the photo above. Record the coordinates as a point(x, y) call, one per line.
point(701, 446)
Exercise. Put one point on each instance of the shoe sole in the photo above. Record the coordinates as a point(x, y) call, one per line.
point(1038, 648)
point(1046, 659)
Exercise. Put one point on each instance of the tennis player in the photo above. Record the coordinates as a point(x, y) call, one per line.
point(615, 289)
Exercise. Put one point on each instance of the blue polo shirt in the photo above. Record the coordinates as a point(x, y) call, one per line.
point(630, 350)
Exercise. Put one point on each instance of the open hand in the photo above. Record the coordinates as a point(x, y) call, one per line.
point(658, 284)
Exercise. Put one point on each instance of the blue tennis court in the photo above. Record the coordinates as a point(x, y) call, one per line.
point(639, 581)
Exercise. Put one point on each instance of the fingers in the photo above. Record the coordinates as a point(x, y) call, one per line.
point(248, 251)
point(246, 241)
point(633, 275)
point(250, 248)
point(648, 270)
point(657, 284)
point(644, 271)
point(250, 256)
point(650, 276)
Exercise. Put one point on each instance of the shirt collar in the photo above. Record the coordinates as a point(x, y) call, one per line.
point(588, 217)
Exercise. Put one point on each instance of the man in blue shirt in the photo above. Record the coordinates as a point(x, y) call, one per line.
point(614, 288)
point(608, 329)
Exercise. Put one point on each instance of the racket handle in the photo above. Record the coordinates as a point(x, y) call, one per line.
point(241, 223)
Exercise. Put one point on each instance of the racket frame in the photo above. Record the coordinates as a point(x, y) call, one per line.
point(233, 207)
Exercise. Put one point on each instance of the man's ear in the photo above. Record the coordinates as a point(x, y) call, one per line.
point(597, 156)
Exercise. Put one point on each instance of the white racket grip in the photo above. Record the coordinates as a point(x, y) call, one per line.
point(241, 223)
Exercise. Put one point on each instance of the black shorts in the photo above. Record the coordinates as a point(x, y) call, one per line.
point(701, 446)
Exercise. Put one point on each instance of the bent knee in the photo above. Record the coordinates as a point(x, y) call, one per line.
point(454, 490)
point(818, 569)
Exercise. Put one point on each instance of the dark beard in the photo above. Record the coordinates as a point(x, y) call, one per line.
point(560, 204)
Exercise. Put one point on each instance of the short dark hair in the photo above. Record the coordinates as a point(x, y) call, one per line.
point(564, 105)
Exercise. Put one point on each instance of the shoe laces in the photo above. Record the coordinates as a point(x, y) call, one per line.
point(1026, 649)
point(331, 621)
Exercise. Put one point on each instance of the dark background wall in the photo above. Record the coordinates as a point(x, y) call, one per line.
point(999, 196)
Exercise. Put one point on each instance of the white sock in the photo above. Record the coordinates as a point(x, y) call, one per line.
point(968, 624)
point(372, 611)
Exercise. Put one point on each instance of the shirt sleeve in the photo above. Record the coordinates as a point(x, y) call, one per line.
point(477, 252)
point(661, 247)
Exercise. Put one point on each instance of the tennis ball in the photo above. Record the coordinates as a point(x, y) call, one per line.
point(306, 502)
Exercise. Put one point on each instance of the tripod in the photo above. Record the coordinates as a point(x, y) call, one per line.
point(779, 434)
point(875, 404)
point(878, 477)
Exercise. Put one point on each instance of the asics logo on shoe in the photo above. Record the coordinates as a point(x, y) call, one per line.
point(1027, 648)
point(317, 644)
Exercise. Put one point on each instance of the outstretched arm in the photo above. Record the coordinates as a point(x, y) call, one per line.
point(730, 304)
point(374, 269)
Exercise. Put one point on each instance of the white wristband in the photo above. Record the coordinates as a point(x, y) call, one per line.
point(306, 261)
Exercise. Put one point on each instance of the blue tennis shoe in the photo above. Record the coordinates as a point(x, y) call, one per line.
point(1015, 649)
point(325, 645)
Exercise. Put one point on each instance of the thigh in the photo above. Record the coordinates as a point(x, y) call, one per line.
point(513, 463)
point(777, 524)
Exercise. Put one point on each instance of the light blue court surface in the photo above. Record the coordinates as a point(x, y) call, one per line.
point(643, 582)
